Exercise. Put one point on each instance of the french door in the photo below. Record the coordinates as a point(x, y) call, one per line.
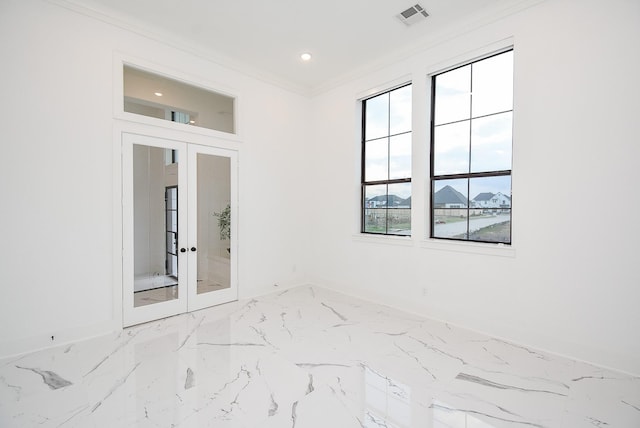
point(179, 227)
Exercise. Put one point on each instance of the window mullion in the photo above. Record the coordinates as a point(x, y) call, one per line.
point(470, 139)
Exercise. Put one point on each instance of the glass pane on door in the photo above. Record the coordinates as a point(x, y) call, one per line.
point(214, 223)
point(155, 225)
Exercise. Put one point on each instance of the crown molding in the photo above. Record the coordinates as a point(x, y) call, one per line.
point(471, 23)
point(132, 25)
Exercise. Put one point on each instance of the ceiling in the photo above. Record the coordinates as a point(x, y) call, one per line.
point(265, 38)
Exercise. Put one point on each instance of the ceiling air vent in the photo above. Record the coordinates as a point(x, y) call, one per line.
point(412, 15)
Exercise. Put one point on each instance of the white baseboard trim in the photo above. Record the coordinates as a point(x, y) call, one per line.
point(626, 365)
point(18, 347)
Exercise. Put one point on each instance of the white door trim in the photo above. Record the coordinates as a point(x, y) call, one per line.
point(123, 223)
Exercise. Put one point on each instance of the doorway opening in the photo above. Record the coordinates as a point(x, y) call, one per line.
point(180, 220)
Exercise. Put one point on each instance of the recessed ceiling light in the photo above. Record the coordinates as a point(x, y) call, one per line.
point(305, 56)
point(158, 94)
point(192, 122)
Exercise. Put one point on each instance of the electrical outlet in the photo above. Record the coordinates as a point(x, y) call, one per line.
point(424, 292)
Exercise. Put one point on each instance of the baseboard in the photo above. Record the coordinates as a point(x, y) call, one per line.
point(605, 362)
point(15, 348)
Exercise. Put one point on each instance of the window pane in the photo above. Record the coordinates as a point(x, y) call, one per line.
point(375, 208)
point(155, 279)
point(400, 156)
point(171, 243)
point(450, 223)
point(491, 143)
point(399, 221)
point(451, 148)
point(375, 220)
point(213, 226)
point(400, 110)
point(172, 198)
point(493, 84)
point(399, 204)
point(450, 193)
point(400, 195)
point(172, 220)
point(377, 117)
point(376, 155)
point(492, 208)
point(453, 99)
point(494, 228)
point(491, 192)
point(450, 208)
point(375, 196)
point(157, 96)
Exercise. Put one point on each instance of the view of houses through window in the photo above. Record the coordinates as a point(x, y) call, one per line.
point(386, 163)
point(471, 151)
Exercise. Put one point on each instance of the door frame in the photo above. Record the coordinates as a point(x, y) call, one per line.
point(122, 128)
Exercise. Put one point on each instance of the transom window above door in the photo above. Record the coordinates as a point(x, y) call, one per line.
point(157, 96)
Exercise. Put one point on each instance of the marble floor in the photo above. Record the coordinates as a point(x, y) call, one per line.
point(307, 358)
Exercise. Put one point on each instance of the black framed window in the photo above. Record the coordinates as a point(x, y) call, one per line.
point(386, 163)
point(471, 145)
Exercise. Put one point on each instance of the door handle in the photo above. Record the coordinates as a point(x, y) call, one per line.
point(193, 249)
point(183, 250)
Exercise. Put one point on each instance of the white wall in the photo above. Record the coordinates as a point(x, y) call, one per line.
point(57, 136)
point(573, 284)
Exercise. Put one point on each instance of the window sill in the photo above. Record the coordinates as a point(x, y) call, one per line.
point(404, 241)
point(500, 250)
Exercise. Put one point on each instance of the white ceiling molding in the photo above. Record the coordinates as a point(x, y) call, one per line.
point(275, 58)
point(425, 44)
point(169, 39)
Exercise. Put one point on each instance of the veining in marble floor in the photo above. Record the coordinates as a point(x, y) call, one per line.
point(307, 358)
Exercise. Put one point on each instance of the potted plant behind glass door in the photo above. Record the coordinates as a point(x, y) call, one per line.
point(224, 224)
